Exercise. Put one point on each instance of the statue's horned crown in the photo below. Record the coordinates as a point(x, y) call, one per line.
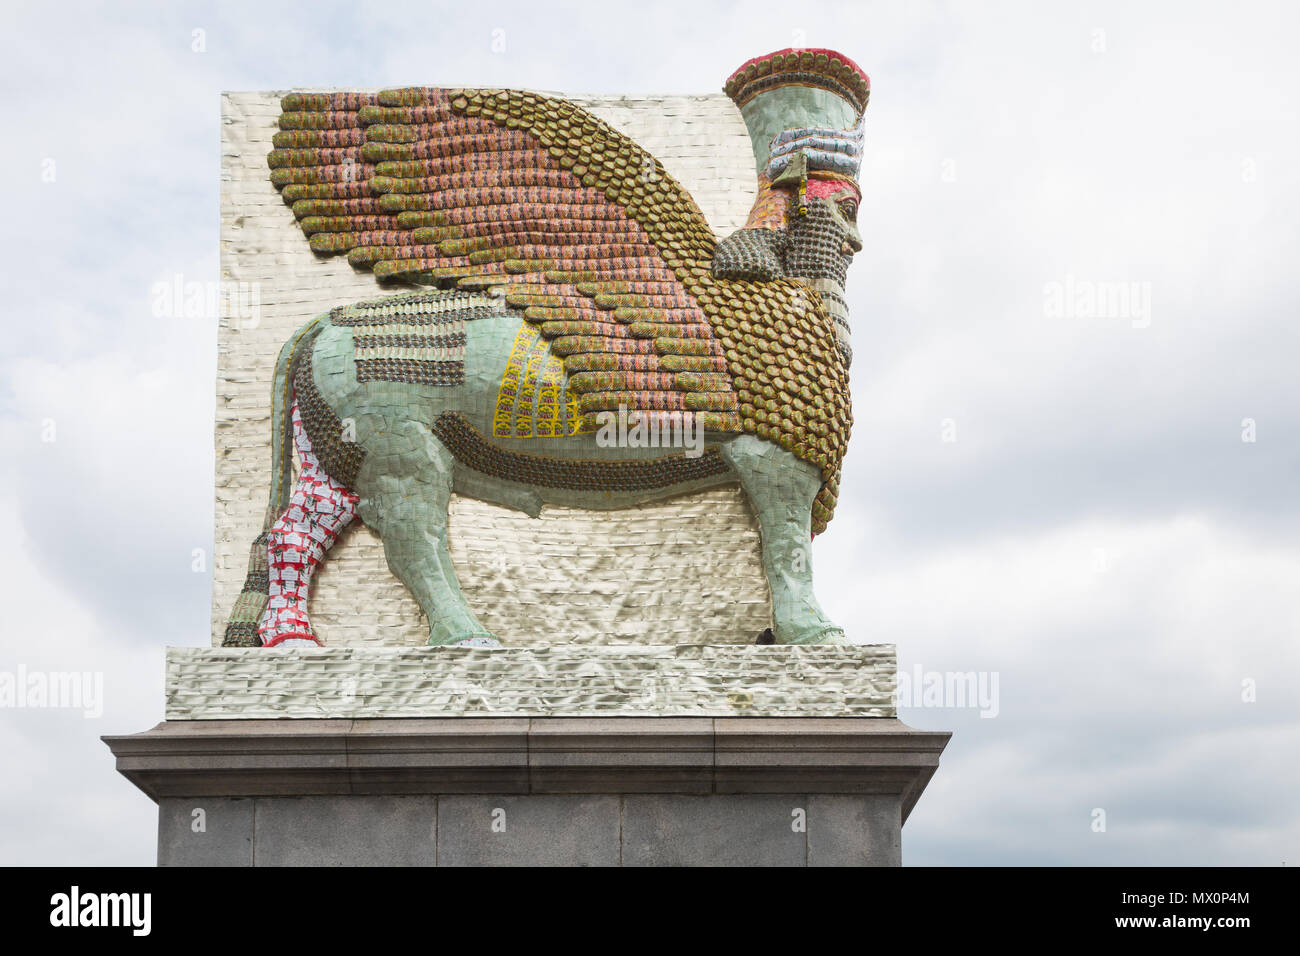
point(803, 110)
point(822, 69)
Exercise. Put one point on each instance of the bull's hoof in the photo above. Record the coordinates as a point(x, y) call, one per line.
point(482, 640)
point(291, 639)
point(477, 638)
point(813, 634)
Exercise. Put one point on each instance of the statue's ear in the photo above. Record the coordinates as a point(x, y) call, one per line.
point(795, 172)
point(753, 254)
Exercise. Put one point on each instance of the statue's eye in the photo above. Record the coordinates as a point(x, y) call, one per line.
point(849, 209)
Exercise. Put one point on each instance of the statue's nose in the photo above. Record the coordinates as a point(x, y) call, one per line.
point(852, 241)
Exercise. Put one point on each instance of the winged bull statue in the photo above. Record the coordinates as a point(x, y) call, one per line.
point(571, 332)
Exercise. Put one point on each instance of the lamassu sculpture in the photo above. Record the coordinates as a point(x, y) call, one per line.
point(575, 335)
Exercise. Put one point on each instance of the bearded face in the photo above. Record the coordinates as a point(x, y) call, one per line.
point(822, 243)
point(815, 244)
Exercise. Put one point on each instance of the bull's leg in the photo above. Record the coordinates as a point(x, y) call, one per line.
point(409, 510)
point(319, 509)
point(781, 489)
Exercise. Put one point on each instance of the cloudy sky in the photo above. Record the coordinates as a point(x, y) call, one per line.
point(1098, 506)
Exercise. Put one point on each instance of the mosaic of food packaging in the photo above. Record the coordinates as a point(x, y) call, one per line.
point(562, 328)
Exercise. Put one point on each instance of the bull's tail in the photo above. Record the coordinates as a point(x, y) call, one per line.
point(241, 628)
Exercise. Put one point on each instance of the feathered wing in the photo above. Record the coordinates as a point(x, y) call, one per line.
point(582, 231)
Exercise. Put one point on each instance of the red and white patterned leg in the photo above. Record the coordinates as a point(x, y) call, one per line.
point(319, 509)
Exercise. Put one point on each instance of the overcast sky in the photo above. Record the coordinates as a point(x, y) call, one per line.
point(1099, 508)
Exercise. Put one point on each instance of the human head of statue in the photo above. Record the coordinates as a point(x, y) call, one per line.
point(803, 110)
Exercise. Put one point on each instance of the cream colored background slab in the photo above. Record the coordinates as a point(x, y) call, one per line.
point(681, 571)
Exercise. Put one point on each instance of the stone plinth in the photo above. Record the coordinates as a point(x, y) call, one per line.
point(546, 791)
point(624, 680)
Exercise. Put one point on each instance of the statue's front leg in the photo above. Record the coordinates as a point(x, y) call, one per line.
point(781, 489)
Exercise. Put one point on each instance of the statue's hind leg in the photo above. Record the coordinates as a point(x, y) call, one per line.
point(408, 508)
point(781, 489)
point(319, 509)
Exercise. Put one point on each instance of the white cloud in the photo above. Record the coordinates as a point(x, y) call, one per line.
point(62, 801)
point(1120, 677)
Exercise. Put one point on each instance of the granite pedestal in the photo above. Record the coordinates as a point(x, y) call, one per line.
point(603, 791)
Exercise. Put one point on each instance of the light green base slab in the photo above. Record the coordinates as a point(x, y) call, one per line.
point(612, 680)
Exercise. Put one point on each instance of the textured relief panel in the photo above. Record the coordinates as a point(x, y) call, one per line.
point(555, 681)
point(639, 568)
